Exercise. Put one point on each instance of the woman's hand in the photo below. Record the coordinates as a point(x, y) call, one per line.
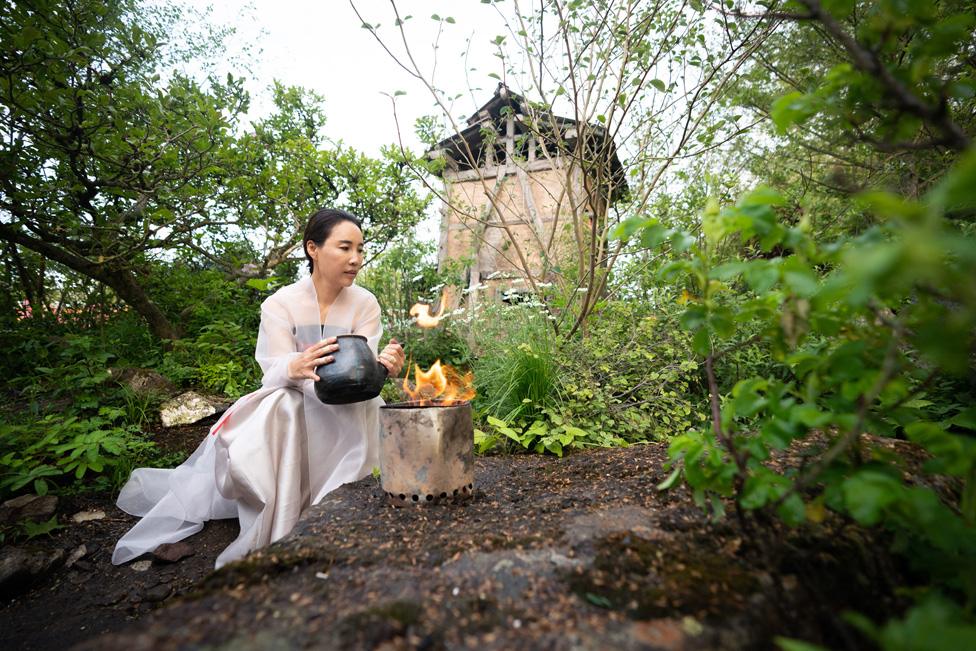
point(392, 358)
point(303, 367)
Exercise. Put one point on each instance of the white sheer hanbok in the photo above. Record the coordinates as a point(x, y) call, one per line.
point(275, 451)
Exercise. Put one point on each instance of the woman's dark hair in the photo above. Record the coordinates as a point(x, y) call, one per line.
point(320, 226)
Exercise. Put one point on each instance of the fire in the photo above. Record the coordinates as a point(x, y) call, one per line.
point(421, 313)
point(439, 384)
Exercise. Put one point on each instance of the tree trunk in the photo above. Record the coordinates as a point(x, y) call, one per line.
point(124, 284)
point(120, 279)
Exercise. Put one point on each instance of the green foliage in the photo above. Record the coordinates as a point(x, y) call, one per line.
point(935, 624)
point(630, 378)
point(406, 274)
point(62, 450)
point(914, 100)
point(144, 163)
point(69, 424)
point(516, 373)
point(220, 359)
point(860, 329)
point(34, 529)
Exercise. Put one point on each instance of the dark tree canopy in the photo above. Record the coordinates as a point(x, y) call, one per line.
point(112, 158)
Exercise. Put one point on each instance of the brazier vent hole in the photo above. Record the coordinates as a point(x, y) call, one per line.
point(416, 498)
point(455, 491)
point(402, 496)
point(430, 497)
point(444, 494)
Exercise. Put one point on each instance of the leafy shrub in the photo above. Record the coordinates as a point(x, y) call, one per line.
point(424, 347)
point(58, 450)
point(631, 378)
point(862, 333)
point(220, 358)
point(80, 428)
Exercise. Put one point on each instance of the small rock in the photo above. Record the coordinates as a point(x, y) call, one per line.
point(33, 507)
point(172, 552)
point(85, 516)
point(141, 566)
point(83, 566)
point(110, 599)
point(664, 634)
point(157, 593)
point(78, 578)
point(189, 407)
point(76, 554)
point(789, 582)
point(691, 626)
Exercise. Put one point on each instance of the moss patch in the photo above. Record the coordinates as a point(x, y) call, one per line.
point(646, 579)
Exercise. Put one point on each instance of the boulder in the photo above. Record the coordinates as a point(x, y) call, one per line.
point(144, 381)
point(28, 507)
point(19, 568)
point(190, 407)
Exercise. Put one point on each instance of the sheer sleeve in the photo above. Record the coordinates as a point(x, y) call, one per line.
point(368, 323)
point(276, 345)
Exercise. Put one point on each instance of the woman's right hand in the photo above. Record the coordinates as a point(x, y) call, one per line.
point(303, 367)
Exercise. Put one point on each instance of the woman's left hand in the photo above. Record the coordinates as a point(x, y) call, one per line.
point(392, 358)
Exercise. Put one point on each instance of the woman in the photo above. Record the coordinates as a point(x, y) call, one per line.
point(278, 449)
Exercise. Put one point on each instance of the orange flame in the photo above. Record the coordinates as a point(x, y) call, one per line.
point(439, 384)
point(421, 313)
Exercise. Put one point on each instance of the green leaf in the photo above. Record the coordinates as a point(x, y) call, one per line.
point(792, 510)
point(800, 278)
point(789, 644)
point(702, 343)
point(598, 600)
point(839, 8)
point(653, 234)
point(34, 529)
point(670, 480)
point(790, 109)
point(965, 419)
point(868, 493)
point(625, 229)
point(694, 317)
point(657, 83)
point(957, 191)
point(761, 276)
point(728, 270)
point(681, 241)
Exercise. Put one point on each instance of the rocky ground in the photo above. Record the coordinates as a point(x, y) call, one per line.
point(574, 553)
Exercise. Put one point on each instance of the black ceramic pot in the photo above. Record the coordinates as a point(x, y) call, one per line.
point(354, 376)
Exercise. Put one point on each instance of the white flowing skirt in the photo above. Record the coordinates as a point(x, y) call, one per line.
point(258, 464)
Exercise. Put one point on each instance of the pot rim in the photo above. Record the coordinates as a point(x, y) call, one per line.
point(417, 404)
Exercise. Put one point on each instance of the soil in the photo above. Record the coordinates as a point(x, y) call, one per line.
point(575, 553)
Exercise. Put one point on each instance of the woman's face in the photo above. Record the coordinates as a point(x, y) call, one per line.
point(339, 258)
